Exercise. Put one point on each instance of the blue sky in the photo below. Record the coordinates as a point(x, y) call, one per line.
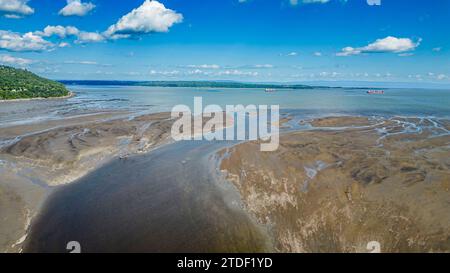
point(243, 40)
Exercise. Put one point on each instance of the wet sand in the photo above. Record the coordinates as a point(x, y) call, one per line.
point(164, 201)
point(69, 150)
point(37, 158)
point(120, 185)
point(348, 181)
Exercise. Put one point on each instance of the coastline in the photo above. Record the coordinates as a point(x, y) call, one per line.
point(70, 95)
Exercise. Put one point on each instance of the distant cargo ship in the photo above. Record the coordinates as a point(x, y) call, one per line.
point(375, 92)
point(270, 90)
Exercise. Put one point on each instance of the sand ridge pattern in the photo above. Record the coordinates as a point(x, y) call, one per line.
point(349, 181)
point(37, 158)
point(60, 154)
point(32, 165)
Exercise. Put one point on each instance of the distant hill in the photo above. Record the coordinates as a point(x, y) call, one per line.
point(22, 84)
point(194, 84)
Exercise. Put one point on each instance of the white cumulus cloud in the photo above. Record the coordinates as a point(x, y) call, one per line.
point(263, 66)
point(164, 73)
point(66, 31)
point(89, 37)
point(29, 41)
point(11, 60)
point(15, 7)
point(151, 16)
point(82, 62)
point(60, 31)
point(64, 44)
point(76, 8)
point(388, 44)
point(235, 72)
point(13, 16)
point(295, 2)
point(204, 66)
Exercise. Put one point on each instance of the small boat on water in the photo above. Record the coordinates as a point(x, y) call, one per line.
point(270, 90)
point(375, 92)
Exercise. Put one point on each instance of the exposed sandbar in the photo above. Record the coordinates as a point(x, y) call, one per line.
point(338, 190)
point(58, 152)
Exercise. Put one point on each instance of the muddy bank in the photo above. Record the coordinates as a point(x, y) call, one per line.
point(58, 152)
point(37, 159)
point(61, 155)
point(335, 190)
point(165, 201)
point(341, 183)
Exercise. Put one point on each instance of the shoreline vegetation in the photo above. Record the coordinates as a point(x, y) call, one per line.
point(23, 84)
point(68, 96)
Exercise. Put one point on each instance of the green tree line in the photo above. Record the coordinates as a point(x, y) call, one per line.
point(22, 84)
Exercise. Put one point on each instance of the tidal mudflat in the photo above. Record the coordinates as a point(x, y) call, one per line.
point(348, 181)
point(101, 170)
point(333, 186)
point(168, 200)
point(54, 153)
